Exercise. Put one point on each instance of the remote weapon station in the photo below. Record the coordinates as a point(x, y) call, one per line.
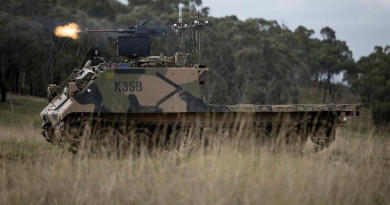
point(158, 99)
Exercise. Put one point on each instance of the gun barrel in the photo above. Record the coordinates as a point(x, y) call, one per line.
point(130, 30)
point(102, 31)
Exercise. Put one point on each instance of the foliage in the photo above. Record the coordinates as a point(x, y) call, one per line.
point(373, 85)
point(252, 61)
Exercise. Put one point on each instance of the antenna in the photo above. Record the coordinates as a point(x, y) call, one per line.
point(197, 26)
point(180, 14)
point(179, 29)
point(194, 37)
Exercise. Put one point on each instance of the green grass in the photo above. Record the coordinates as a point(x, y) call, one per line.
point(26, 111)
point(19, 129)
point(23, 149)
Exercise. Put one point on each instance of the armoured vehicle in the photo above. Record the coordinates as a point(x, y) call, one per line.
point(118, 104)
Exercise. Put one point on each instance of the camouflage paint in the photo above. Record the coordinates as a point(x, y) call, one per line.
point(122, 89)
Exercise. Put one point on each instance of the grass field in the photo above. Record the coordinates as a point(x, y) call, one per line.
point(354, 170)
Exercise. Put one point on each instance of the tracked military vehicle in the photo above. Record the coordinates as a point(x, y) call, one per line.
point(146, 96)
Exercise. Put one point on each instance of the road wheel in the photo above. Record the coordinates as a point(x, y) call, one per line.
point(186, 139)
point(323, 136)
point(294, 140)
point(139, 140)
point(108, 142)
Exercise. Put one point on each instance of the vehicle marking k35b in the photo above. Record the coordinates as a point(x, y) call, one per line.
point(126, 86)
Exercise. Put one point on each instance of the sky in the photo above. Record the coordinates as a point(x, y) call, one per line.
point(363, 24)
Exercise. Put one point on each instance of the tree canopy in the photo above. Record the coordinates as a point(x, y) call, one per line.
point(252, 61)
point(373, 84)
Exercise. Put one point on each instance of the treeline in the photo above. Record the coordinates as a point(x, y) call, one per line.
point(371, 81)
point(252, 61)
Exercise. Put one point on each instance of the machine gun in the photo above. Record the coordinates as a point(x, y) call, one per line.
point(137, 43)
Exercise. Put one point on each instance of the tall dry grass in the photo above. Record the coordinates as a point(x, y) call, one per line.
point(354, 170)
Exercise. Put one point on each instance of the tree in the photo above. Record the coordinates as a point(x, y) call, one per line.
point(251, 61)
point(373, 85)
point(19, 39)
point(329, 58)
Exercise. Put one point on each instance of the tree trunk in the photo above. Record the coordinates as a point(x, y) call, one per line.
point(17, 81)
point(324, 98)
point(2, 86)
point(334, 88)
point(3, 92)
point(326, 87)
point(319, 85)
point(23, 82)
point(31, 89)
